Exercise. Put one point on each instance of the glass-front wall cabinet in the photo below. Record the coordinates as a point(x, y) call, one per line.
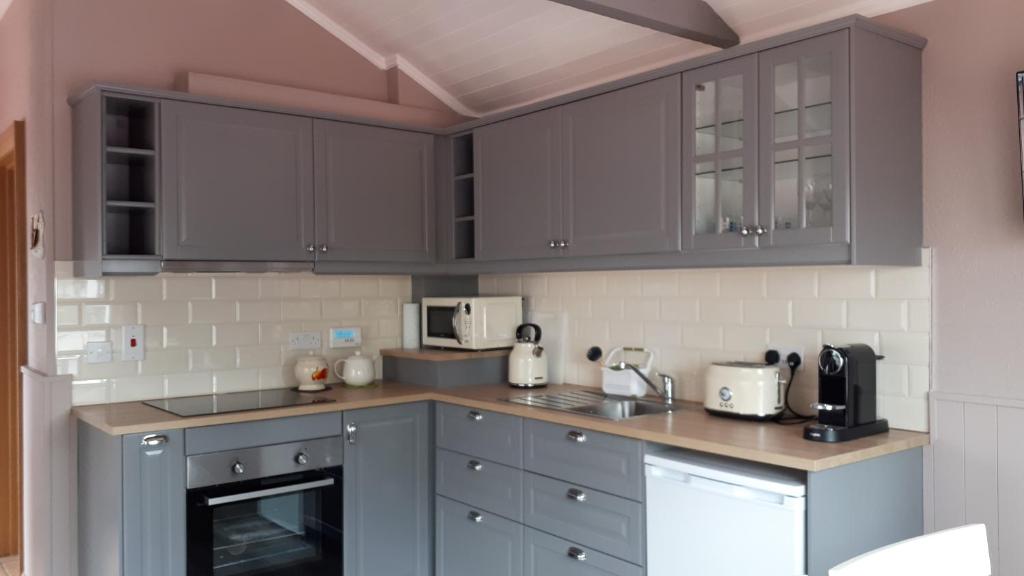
point(804, 150)
point(720, 155)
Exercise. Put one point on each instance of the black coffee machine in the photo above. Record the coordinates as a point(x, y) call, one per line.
point(847, 397)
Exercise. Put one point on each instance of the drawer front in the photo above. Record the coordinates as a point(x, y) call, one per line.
point(491, 486)
point(591, 518)
point(496, 437)
point(471, 542)
point(609, 463)
point(547, 555)
point(261, 433)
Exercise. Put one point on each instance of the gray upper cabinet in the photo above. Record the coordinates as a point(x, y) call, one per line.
point(374, 194)
point(805, 142)
point(621, 162)
point(720, 156)
point(237, 184)
point(387, 496)
point(518, 173)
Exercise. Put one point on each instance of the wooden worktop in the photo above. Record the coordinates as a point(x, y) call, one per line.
point(690, 427)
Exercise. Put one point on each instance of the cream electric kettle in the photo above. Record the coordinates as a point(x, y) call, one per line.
point(528, 364)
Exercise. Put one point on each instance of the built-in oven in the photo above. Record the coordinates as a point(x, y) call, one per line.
point(266, 510)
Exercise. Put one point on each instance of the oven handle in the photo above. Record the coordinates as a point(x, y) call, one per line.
point(217, 501)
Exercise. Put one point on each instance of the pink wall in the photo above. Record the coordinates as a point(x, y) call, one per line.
point(972, 185)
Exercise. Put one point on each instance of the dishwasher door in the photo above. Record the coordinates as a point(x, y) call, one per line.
point(700, 526)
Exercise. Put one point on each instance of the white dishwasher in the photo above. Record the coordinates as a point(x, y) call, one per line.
point(711, 516)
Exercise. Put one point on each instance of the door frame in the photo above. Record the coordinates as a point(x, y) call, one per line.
point(14, 305)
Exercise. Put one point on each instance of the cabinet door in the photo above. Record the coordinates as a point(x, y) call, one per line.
point(621, 160)
point(473, 542)
point(387, 518)
point(805, 141)
point(547, 555)
point(237, 184)
point(153, 468)
point(720, 156)
point(374, 194)
point(518, 173)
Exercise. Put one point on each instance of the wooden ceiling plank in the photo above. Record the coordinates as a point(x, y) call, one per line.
point(690, 19)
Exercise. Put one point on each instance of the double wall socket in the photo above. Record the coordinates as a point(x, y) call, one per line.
point(304, 341)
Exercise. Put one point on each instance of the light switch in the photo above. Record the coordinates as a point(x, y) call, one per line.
point(133, 343)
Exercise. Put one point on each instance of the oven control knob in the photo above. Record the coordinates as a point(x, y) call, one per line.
point(301, 459)
point(237, 468)
point(725, 394)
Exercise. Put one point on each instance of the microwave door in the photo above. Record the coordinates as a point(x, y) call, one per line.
point(441, 322)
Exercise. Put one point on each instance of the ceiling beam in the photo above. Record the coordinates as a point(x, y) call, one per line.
point(690, 19)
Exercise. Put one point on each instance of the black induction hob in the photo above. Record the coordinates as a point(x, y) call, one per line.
point(237, 402)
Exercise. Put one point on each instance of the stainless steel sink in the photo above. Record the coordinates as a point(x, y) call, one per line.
point(593, 404)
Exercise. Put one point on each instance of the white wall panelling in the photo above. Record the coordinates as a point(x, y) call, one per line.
point(215, 333)
point(692, 318)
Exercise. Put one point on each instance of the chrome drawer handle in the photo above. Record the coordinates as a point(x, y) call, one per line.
point(577, 554)
point(576, 436)
point(476, 517)
point(475, 416)
point(153, 440)
point(576, 494)
point(474, 465)
point(350, 433)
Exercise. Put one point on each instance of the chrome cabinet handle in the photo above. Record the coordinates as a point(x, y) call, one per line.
point(576, 436)
point(154, 440)
point(563, 243)
point(475, 416)
point(350, 433)
point(476, 517)
point(577, 554)
point(576, 494)
point(760, 230)
point(744, 231)
point(310, 248)
point(323, 248)
point(553, 244)
point(475, 465)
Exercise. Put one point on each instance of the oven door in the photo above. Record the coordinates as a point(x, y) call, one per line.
point(288, 524)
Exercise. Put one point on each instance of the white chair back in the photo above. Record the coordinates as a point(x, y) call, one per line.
point(960, 551)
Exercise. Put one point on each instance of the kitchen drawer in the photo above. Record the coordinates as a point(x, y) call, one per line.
point(592, 518)
point(609, 463)
point(496, 437)
point(261, 433)
point(547, 555)
point(493, 487)
point(471, 542)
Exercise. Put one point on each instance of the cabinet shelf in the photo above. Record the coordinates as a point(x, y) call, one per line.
point(128, 204)
point(462, 177)
point(127, 151)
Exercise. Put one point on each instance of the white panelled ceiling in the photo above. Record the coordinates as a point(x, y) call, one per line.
point(484, 56)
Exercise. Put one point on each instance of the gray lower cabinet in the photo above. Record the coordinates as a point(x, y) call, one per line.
point(374, 194)
point(518, 174)
point(387, 491)
point(621, 163)
point(473, 542)
point(473, 480)
point(547, 555)
point(237, 185)
point(480, 433)
point(131, 503)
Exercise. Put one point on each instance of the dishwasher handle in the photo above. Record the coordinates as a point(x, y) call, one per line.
point(726, 489)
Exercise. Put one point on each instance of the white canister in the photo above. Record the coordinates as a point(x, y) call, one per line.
point(311, 373)
point(410, 326)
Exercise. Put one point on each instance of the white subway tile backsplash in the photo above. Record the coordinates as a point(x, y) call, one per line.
point(704, 316)
point(218, 332)
point(877, 314)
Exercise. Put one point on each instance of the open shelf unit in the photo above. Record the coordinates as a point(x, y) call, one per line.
point(130, 219)
point(463, 198)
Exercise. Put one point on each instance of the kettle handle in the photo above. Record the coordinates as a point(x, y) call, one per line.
point(536, 331)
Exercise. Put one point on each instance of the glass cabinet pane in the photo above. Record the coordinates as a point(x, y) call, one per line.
point(787, 101)
point(730, 114)
point(817, 176)
point(817, 95)
point(706, 211)
point(787, 190)
point(706, 118)
point(730, 186)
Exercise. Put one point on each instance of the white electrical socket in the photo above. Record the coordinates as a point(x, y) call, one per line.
point(304, 341)
point(133, 342)
point(99, 352)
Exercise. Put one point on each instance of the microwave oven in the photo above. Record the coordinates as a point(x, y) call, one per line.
point(472, 323)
